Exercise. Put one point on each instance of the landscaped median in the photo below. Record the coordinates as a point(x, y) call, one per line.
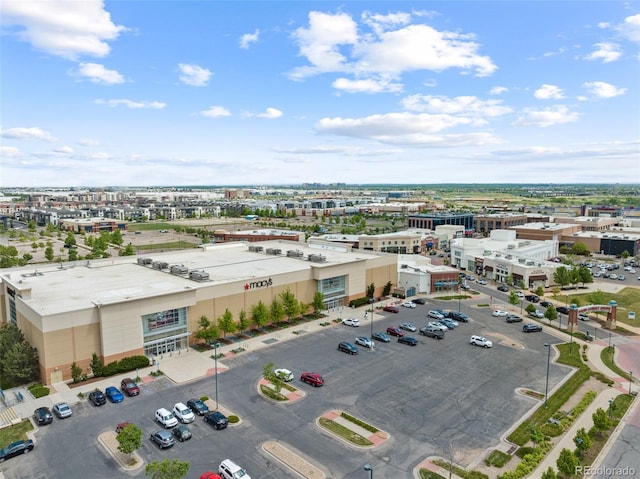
point(287, 393)
point(352, 430)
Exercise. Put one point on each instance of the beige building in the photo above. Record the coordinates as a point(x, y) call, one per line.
point(151, 305)
point(402, 242)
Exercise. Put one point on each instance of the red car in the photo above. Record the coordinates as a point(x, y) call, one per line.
point(129, 387)
point(391, 309)
point(210, 475)
point(395, 332)
point(314, 379)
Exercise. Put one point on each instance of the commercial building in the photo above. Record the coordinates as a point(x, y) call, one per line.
point(431, 221)
point(126, 306)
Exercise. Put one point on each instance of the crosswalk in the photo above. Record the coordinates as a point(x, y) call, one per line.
point(8, 417)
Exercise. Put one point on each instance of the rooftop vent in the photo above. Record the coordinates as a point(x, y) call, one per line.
point(295, 253)
point(160, 265)
point(199, 275)
point(256, 249)
point(144, 261)
point(521, 260)
point(179, 269)
point(317, 258)
point(274, 251)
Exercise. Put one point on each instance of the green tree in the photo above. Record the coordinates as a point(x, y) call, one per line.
point(562, 276)
point(567, 462)
point(259, 314)
point(97, 365)
point(70, 240)
point(540, 291)
point(536, 434)
point(207, 330)
point(549, 474)
point(583, 441)
point(127, 251)
point(129, 439)
point(21, 363)
point(31, 225)
point(290, 304)
point(513, 298)
point(76, 372)
point(243, 321)
point(226, 323)
point(167, 469)
point(601, 420)
point(530, 308)
point(387, 289)
point(269, 374)
point(550, 313)
point(371, 289)
point(580, 249)
point(276, 311)
point(116, 237)
point(318, 302)
point(624, 254)
point(48, 253)
point(584, 275)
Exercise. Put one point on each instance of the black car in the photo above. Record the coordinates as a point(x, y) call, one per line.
point(531, 328)
point(546, 304)
point(216, 419)
point(382, 337)
point(513, 318)
point(197, 406)
point(42, 416)
point(432, 332)
point(463, 318)
point(347, 347)
point(181, 433)
point(97, 397)
point(503, 288)
point(419, 300)
point(533, 298)
point(562, 309)
point(411, 341)
point(15, 449)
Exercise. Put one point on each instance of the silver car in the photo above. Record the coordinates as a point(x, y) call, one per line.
point(61, 410)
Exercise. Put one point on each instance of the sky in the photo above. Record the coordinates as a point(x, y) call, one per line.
point(176, 93)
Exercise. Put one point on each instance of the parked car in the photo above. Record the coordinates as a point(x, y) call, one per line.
point(480, 341)
point(216, 419)
point(536, 314)
point(410, 340)
point(183, 413)
point(97, 397)
point(165, 418)
point(314, 379)
point(533, 298)
point(438, 325)
point(463, 318)
point(392, 331)
point(408, 327)
point(181, 433)
point(15, 449)
point(622, 277)
point(163, 439)
point(113, 394)
point(519, 294)
point(546, 304)
point(347, 347)
point(432, 332)
point(381, 337)
point(435, 314)
point(419, 301)
point(531, 328)
point(503, 288)
point(391, 309)
point(363, 341)
point(449, 323)
point(513, 318)
point(481, 281)
point(197, 406)
point(353, 322)
point(62, 410)
point(42, 416)
point(284, 375)
point(583, 317)
point(499, 313)
point(613, 276)
point(562, 309)
point(408, 304)
point(129, 387)
point(210, 475)
point(230, 470)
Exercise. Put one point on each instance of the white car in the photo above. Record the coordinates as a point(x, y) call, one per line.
point(183, 413)
point(614, 276)
point(354, 322)
point(408, 304)
point(284, 374)
point(230, 470)
point(366, 342)
point(481, 341)
point(536, 314)
point(519, 294)
point(435, 314)
point(499, 313)
point(438, 325)
point(481, 281)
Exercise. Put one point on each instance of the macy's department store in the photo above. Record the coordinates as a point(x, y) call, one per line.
point(151, 305)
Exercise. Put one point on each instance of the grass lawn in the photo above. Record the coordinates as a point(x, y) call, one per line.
point(628, 299)
point(15, 433)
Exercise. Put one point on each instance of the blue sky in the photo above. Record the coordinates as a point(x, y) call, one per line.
point(143, 93)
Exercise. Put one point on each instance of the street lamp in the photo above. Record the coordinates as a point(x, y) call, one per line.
point(546, 389)
point(216, 345)
point(368, 467)
point(371, 302)
point(630, 381)
point(610, 404)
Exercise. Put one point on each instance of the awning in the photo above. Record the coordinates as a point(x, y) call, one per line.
point(488, 268)
point(538, 277)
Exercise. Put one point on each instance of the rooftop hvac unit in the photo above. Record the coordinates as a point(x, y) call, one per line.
point(317, 258)
point(509, 256)
point(529, 263)
point(256, 249)
point(521, 260)
point(179, 269)
point(294, 253)
point(199, 275)
point(160, 265)
point(404, 266)
point(511, 246)
point(145, 261)
point(274, 251)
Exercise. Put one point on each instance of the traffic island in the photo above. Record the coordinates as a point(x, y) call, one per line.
point(286, 395)
point(352, 430)
point(293, 460)
point(128, 462)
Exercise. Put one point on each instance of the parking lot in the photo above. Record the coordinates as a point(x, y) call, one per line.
point(441, 397)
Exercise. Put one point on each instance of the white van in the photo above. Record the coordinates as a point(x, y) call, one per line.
point(230, 470)
point(166, 418)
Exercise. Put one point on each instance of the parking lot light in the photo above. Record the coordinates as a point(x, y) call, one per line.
point(371, 302)
point(368, 467)
point(546, 389)
point(216, 345)
point(630, 381)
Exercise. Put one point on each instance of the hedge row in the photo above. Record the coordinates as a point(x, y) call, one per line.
point(125, 365)
point(360, 423)
point(356, 303)
point(529, 462)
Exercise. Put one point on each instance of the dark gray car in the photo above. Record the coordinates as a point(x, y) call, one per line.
point(432, 332)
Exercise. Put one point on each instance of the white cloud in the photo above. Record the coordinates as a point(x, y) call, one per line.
point(332, 43)
point(27, 133)
point(604, 90)
point(607, 52)
point(630, 29)
point(249, 38)
point(65, 28)
point(88, 142)
point(97, 73)
point(554, 115)
point(64, 150)
point(368, 85)
point(101, 156)
point(194, 75)
point(498, 90)
point(215, 112)
point(9, 152)
point(270, 113)
point(466, 105)
point(548, 92)
point(156, 105)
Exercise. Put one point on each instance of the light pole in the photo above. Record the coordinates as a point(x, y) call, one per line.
point(610, 404)
point(216, 345)
point(371, 301)
point(610, 345)
point(546, 389)
point(368, 467)
point(630, 381)
point(459, 297)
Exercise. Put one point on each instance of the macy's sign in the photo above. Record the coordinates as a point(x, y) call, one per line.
point(265, 283)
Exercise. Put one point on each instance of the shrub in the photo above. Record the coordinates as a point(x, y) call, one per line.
point(360, 423)
point(38, 390)
point(233, 419)
point(204, 398)
point(523, 451)
point(356, 303)
point(497, 458)
point(125, 365)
